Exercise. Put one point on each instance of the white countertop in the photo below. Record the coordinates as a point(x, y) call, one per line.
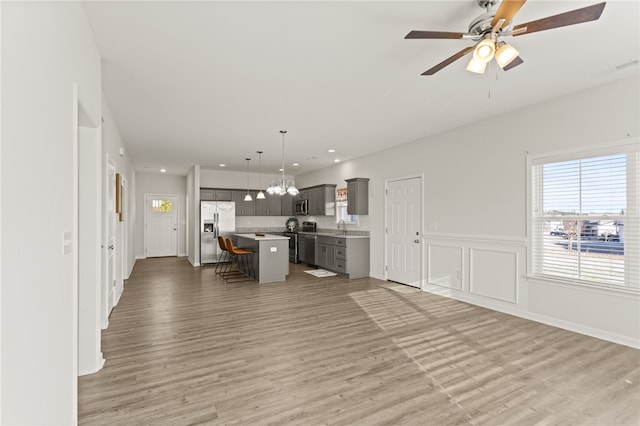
point(266, 237)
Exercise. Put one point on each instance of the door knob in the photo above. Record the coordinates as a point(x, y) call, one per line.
point(111, 247)
point(416, 241)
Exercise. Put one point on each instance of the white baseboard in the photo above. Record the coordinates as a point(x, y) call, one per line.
point(141, 257)
point(376, 276)
point(182, 254)
point(99, 363)
point(131, 268)
point(566, 325)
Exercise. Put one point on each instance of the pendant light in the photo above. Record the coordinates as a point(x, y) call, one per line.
point(248, 196)
point(260, 195)
point(283, 186)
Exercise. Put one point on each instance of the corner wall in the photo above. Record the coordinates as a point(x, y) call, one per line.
point(46, 47)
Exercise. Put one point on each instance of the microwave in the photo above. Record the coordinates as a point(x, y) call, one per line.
point(302, 207)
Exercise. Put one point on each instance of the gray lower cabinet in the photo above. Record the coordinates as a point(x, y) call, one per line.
point(346, 256)
point(307, 248)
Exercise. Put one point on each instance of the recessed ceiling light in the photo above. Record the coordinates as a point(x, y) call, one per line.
point(295, 164)
point(222, 165)
point(331, 150)
point(336, 160)
point(163, 170)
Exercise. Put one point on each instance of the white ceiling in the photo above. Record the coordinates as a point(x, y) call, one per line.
point(213, 82)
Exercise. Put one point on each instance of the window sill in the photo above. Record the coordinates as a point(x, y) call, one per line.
point(586, 285)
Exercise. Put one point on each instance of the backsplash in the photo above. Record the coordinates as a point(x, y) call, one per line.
point(326, 224)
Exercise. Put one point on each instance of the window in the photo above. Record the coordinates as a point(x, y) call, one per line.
point(584, 216)
point(341, 208)
point(161, 206)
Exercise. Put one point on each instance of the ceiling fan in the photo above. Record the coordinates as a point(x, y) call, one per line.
point(487, 29)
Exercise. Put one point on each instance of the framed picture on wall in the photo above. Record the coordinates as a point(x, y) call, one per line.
point(120, 201)
point(118, 195)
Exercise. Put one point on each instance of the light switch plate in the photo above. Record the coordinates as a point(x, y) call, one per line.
point(66, 242)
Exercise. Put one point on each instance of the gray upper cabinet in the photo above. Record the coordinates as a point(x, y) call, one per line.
point(286, 205)
point(244, 208)
point(358, 196)
point(322, 200)
point(270, 206)
point(207, 194)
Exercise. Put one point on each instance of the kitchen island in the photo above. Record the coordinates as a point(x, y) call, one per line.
point(270, 256)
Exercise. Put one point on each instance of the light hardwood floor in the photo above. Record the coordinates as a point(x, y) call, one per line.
point(183, 347)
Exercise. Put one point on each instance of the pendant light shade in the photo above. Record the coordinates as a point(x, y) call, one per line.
point(260, 195)
point(282, 185)
point(505, 54)
point(485, 50)
point(477, 66)
point(248, 196)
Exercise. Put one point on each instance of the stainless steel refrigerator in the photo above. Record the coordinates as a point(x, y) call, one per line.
point(216, 218)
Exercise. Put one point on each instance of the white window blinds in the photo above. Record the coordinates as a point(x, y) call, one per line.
point(584, 216)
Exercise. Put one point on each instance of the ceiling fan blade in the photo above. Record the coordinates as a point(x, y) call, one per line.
point(448, 61)
point(506, 11)
point(517, 61)
point(578, 16)
point(432, 35)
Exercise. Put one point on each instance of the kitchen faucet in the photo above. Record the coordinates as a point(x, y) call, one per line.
point(344, 226)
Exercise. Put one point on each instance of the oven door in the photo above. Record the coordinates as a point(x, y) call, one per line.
point(293, 247)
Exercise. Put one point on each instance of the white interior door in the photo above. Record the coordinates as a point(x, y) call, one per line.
point(403, 214)
point(161, 224)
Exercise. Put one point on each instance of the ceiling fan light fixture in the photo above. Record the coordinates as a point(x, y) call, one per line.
point(476, 66)
point(505, 54)
point(485, 50)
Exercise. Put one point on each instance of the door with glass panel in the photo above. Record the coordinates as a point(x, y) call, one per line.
point(161, 225)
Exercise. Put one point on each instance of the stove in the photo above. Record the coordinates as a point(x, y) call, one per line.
point(309, 227)
point(294, 240)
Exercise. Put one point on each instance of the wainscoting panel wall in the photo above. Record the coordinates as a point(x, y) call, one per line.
point(494, 274)
point(483, 270)
point(491, 272)
point(445, 265)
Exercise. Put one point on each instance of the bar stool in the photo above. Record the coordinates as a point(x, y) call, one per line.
point(223, 254)
point(239, 255)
